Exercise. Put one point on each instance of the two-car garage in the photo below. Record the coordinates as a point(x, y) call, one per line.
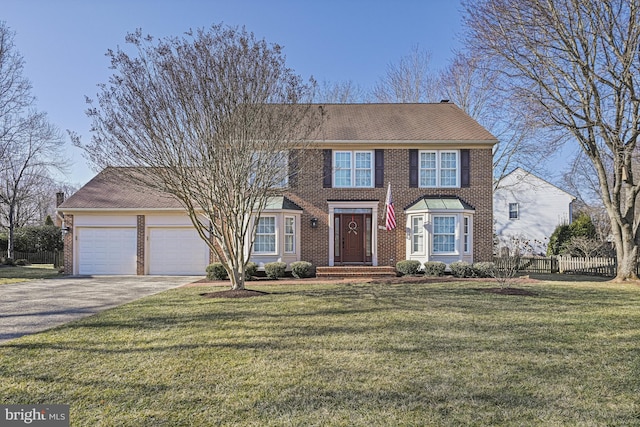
point(170, 246)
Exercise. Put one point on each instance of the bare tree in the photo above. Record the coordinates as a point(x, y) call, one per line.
point(478, 90)
point(212, 118)
point(15, 93)
point(410, 80)
point(26, 171)
point(577, 63)
point(339, 93)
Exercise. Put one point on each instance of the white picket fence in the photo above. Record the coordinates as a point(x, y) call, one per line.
point(599, 266)
point(595, 266)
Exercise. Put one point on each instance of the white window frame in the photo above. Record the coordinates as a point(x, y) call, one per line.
point(516, 210)
point(290, 235)
point(353, 168)
point(467, 233)
point(420, 233)
point(434, 234)
point(439, 168)
point(274, 234)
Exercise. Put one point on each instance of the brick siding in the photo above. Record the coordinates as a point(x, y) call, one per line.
point(140, 238)
point(68, 244)
point(307, 191)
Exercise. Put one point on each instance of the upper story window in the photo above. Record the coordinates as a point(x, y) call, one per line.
point(353, 169)
point(271, 169)
point(514, 211)
point(439, 168)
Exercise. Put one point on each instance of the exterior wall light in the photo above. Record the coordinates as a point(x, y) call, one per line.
point(314, 222)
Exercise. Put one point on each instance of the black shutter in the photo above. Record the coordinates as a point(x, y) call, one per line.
point(413, 168)
point(327, 168)
point(379, 168)
point(465, 168)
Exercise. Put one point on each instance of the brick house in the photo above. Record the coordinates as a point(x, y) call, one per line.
point(435, 158)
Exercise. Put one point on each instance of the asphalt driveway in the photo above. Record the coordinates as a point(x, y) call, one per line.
point(30, 307)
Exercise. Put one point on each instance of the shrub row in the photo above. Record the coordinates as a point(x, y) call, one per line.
point(273, 270)
point(437, 268)
point(478, 269)
point(431, 268)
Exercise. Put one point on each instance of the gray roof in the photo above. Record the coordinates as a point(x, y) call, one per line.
point(379, 125)
point(438, 122)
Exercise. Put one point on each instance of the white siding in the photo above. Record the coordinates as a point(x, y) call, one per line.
point(541, 208)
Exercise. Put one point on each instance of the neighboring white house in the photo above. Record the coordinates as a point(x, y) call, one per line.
point(527, 208)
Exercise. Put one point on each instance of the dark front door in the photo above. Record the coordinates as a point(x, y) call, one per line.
point(353, 233)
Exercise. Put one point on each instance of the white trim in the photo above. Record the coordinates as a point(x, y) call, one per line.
point(373, 205)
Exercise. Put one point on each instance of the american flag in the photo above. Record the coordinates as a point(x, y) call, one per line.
point(390, 222)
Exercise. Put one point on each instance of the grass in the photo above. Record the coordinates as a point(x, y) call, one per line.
point(22, 274)
point(444, 354)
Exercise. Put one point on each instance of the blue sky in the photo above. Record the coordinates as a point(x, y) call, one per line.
point(64, 41)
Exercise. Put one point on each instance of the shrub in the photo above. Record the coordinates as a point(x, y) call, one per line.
point(275, 270)
point(461, 269)
point(216, 271)
point(484, 269)
point(408, 267)
point(250, 270)
point(434, 268)
point(301, 269)
point(22, 262)
point(7, 261)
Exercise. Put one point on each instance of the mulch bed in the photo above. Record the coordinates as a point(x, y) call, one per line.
point(244, 293)
point(248, 293)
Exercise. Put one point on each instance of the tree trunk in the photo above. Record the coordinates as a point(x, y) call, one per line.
point(627, 261)
point(12, 228)
point(237, 279)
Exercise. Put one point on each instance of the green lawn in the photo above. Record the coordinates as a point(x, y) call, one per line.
point(23, 274)
point(444, 354)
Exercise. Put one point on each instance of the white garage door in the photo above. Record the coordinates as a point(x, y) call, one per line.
point(106, 250)
point(178, 251)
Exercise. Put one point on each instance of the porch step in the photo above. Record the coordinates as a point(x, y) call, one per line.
point(355, 271)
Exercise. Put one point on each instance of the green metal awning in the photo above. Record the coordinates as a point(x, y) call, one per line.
point(440, 204)
point(281, 203)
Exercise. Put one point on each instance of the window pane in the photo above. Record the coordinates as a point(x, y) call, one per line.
point(363, 160)
point(343, 178)
point(343, 160)
point(363, 178)
point(467, 246)
point(336, 236)
point(513, 211)
point(444, 234)
point(448, 169)
point(289, 234)
point(417, 229)
point(265, 235)
point(428, 170)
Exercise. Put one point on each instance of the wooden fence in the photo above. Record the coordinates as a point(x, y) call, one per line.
point(527, 265)
point(48, 257)
point(594, 266)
